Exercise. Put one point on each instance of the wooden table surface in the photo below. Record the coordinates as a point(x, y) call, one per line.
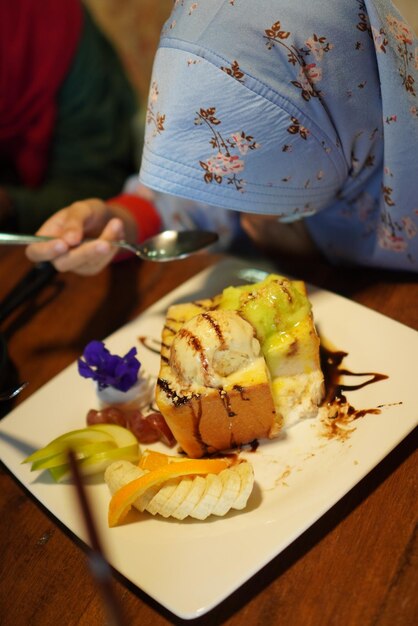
point(356, 566)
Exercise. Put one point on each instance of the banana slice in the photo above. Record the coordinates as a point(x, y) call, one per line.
point(231, 486)
point(209, 499)
point(196, 492)
point(163, 494)
point(177, 497)
point(119, 473)
point(246, 474)
point(143, 501)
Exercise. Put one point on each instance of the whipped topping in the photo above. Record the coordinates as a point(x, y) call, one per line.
point(139, 396)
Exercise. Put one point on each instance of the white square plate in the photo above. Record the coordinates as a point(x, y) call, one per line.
point(191, 566)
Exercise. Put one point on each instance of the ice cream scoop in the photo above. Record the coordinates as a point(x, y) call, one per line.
point(212, 346)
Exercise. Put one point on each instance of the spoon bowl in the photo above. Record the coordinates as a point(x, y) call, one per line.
point(166, 246)
point(172, 244)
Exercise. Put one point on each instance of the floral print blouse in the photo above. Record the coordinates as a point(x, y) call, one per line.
point(301, 112)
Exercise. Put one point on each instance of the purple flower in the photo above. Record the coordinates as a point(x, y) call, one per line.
point(109, 370)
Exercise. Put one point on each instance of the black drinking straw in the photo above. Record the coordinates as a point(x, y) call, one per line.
point(99, 566)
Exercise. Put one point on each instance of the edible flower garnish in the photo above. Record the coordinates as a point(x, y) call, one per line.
point(107, 369)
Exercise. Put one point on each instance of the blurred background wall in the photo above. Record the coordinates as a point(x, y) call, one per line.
point(409, 9)
point(134, 28)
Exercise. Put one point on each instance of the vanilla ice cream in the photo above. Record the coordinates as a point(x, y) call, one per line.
point(210, 347)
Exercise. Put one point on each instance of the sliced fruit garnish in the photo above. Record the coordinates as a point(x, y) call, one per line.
point(151, 459)
point(74, 439)
point(121, 435)
point(94, 447)
point(197, 496)
point(98, 462)
point(123, 498)
point(81, 452)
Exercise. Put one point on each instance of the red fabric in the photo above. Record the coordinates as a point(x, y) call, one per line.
point(38, 40)
point(144, 212)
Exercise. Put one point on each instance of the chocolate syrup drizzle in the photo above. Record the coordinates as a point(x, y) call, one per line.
point(151, 344)
point(334, 388)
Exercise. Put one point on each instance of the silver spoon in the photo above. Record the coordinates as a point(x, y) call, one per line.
point(13, 392)
point(166, 246)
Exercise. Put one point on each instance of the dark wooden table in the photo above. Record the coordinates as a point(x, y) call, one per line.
point(356, 566)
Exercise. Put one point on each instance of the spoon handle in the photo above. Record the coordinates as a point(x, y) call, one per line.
point(10, 239)
point(12, 392)
point(13, 240)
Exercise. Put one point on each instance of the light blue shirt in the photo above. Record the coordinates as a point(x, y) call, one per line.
point(300, 110)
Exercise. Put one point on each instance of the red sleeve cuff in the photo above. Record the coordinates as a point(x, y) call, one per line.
point(144, 213)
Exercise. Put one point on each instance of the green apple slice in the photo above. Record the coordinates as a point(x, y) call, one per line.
point(60, 472)
point(97, 463)
point(122, 436)
point(127, 449)
point(80, 452)
point(95, 447)
point(73, 439)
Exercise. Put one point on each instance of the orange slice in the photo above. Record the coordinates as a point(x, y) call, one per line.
point(151, 460)
point(123, 498)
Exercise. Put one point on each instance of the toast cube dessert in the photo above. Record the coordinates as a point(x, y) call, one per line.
point(240, 366)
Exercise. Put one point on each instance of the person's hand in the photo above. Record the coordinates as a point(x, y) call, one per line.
point(85, 219)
